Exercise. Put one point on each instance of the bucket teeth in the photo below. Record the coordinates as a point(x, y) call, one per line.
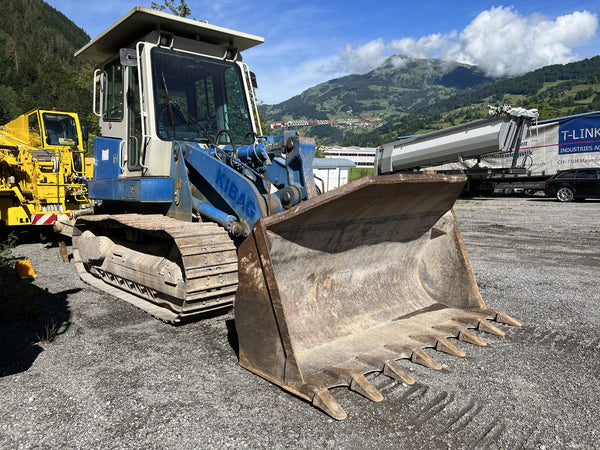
point(325, 402)
point(420, 357)
point(364, 387)
point(467, 336)
point(444, 345)
point(440, 344)
point(487, 327)
point(392, 370)
point(502, 317)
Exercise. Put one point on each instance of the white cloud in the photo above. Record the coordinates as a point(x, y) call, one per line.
point(502, 42)
point(363, 58)
point(432, 46)
point(356, 60)
point(398, 61)
point(499, 40)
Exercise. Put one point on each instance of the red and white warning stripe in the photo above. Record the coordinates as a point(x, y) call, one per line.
point(43, 219)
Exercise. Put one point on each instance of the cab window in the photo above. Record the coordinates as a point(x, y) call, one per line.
point(112, 101)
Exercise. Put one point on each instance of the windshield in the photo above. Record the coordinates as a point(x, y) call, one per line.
point(197, 97)
point(60, 129)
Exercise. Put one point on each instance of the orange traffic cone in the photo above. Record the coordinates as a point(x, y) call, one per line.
point(24, 269)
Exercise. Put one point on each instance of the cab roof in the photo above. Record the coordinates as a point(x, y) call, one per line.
point(140, 21)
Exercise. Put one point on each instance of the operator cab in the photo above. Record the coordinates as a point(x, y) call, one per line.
point(164, 78)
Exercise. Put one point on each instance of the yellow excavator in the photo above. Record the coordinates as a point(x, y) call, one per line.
point(198, 211)
point(42, 169)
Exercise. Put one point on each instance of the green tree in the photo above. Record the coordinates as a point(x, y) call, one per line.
point(320, 150)
point(181, 10)
point(264, 124)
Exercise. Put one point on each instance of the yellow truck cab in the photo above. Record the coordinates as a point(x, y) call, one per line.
point(42, 128)
point(42, 168)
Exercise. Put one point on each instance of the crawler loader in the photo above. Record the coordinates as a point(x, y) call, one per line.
point(42, 172)
point(196, 212)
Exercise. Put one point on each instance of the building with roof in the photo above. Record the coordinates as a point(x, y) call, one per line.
point(361, 156)
point(331, 173)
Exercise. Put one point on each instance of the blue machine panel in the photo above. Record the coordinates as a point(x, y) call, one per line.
point(109, 185)
point(107, 158)
point(145, 190)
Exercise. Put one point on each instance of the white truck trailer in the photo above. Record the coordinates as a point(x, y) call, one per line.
point(459, 149)
point(545, 148)
point(570, 142)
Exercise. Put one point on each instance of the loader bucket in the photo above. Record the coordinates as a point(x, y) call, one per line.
point(349, 282)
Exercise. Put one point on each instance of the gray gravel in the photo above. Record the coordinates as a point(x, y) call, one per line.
point(116, 378)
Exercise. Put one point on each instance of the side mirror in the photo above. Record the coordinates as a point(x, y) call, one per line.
point(84, 133)
point(253, 80)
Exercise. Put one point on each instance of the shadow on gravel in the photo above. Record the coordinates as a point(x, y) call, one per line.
point(470, 199)
point(554, 200)
point(29, 318)
point(232, 337)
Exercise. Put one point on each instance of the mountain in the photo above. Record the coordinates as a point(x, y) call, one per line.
point(397, 86)
point(419, 95)
point(37, 67)
point(556, 90)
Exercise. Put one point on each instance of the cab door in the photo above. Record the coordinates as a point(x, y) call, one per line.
point(134, 121)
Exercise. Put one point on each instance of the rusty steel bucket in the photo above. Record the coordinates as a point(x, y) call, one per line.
point(349, 282)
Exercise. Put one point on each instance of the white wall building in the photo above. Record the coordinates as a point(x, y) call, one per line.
point(331, 173)
point(361, 156)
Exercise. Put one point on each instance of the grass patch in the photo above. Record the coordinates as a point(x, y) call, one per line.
point(359, 172)
point(50, 332)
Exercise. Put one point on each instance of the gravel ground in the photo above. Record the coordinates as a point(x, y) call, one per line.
point(102, 374)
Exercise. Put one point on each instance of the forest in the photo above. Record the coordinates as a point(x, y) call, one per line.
point(37, 66)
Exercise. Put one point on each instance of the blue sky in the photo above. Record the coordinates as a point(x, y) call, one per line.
point(312, 41)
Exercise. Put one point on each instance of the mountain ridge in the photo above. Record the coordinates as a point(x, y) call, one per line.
point(396, 85)
point(425, 95)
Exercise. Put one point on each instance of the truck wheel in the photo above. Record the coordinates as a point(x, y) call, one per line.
point(565, 194)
